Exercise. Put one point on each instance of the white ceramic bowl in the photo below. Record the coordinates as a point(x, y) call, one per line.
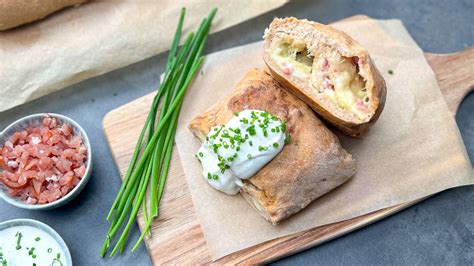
point(43, 227)
point(36, 119)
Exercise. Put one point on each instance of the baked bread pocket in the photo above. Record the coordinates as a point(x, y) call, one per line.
point(328, 70)
point(311, 164)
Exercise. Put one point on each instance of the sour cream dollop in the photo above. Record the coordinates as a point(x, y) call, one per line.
point(240, 148)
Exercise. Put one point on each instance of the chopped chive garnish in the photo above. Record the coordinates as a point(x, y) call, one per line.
point(37, 239)
point(18, 236)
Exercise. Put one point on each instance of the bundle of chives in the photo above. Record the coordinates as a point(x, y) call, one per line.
point(151, 158)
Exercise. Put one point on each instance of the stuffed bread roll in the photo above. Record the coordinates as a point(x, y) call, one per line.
point(309, 165)
point(328, 70)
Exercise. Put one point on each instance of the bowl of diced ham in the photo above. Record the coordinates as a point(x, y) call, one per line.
point(45, 161)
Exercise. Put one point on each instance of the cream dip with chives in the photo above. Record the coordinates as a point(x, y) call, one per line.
point(28, 245)
point(240, 148)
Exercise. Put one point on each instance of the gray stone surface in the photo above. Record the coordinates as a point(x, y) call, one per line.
point(439, 230)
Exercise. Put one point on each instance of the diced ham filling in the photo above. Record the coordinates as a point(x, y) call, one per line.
point(326, 65)
point(361, 106)
point(287, 69)
point(42, 164)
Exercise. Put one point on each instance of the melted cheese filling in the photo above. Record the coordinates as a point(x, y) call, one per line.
point(336, 76)
point(294, 59)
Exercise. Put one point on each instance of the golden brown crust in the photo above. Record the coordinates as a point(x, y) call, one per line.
point(312, 164)
point(317, 35)
point(14, 13)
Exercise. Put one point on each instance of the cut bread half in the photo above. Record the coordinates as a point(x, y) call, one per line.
point(328, 70)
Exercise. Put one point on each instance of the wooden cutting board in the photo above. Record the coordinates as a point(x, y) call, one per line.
point(177, 236)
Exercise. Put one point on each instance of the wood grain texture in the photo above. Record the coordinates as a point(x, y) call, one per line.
point(455, 75)
point(177, 235)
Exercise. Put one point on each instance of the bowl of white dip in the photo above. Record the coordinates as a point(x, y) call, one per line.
point(30, 242)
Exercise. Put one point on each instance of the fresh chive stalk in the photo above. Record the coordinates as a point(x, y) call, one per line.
point(148, 168)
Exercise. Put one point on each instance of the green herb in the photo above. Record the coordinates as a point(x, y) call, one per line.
point(390, 72)
point(37, 239)
point(31, 252)
point(249, 156)
point(2, 260)
point(50, 250)
point(261, 148)
point(18, 236)
point(275, 145)
point(201, 154)
point(251, 130)
point(57, 261)
point(148, 168)
point(287, 139)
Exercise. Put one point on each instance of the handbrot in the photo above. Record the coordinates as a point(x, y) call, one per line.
point(328, 70)
point(309, 166)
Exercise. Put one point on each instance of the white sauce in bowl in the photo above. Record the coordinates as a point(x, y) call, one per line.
point(34, 247)
point(240, 148)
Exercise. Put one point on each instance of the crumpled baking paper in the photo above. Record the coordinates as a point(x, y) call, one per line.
point(100, 36)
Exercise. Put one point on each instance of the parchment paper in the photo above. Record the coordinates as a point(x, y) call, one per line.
point(414, 150)
point(100, 36)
